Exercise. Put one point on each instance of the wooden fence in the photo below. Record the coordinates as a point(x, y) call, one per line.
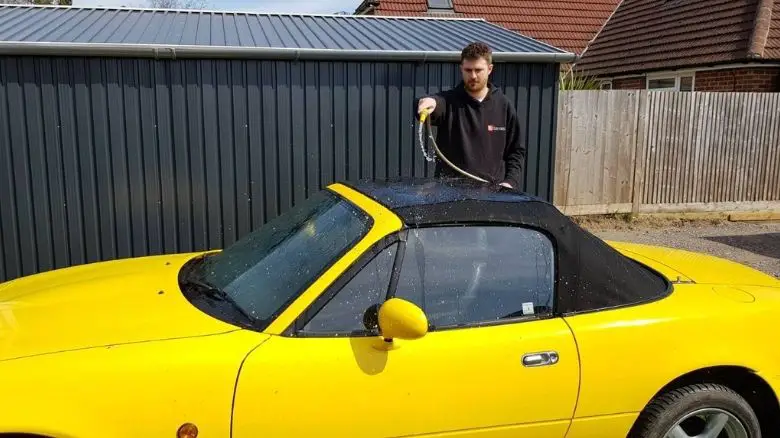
point(644, 152)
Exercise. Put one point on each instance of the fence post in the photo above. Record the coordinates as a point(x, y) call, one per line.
point(640, 135)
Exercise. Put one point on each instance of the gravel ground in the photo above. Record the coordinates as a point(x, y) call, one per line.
point(755, 244)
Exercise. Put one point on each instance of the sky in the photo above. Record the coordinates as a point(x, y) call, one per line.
point(291, 6)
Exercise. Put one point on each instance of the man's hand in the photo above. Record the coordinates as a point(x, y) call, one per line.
point(426, 104)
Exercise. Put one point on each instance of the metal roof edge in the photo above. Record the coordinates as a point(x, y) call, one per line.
point(227, 52)
point(242, 12)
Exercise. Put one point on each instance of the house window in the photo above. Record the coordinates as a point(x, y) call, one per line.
point(662, 84)
point(686, 83)
point(440, 4)
point(671, 82)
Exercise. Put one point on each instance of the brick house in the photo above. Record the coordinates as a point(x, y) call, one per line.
point(701, 45)
point(568, 25)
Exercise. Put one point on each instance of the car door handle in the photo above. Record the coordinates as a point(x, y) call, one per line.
point(540, 359)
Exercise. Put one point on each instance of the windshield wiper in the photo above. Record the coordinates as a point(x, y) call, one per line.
point(218, 294)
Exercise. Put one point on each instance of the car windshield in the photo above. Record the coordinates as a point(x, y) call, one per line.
point(267, 269)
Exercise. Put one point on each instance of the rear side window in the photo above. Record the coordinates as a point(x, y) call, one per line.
point(470, 275)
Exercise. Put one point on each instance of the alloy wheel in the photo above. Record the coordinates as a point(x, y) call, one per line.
point(708, 423)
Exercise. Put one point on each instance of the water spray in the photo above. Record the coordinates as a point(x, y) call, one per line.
point(425, 122)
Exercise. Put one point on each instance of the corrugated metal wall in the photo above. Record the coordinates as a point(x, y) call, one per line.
point(112, 158)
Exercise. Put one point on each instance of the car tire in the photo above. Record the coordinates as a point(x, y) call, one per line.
point(669, 408)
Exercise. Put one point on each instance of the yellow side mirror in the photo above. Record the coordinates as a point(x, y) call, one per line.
point(401, 319)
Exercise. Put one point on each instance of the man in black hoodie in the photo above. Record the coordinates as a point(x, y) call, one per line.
point(478, 128)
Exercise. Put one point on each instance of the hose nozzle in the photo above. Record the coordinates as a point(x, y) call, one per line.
point(424, 115)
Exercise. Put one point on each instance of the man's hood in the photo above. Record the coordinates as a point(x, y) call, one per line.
point(493, 92)
point(99, 305)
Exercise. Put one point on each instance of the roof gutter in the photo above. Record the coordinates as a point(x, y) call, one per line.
point(156, 51)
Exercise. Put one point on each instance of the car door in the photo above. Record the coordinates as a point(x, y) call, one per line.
point(495, 362)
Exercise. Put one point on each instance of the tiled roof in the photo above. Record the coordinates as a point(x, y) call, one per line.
point(772, 49)
point(569, 25)
point(386, 6)
point(646, 35)
point(160, 32)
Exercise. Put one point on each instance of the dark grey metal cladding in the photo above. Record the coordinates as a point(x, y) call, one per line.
point(147, 32)
point(111, 158)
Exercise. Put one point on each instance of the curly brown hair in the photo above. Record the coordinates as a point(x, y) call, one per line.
point(477, 50)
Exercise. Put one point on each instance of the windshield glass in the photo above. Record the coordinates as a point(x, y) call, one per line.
point(267, 269)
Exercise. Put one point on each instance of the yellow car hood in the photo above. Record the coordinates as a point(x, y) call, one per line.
point(99, 305)
point(697, 267)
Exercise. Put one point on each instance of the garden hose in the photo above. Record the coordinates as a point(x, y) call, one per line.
point(426, 121)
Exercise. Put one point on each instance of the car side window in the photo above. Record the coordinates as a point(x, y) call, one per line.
point(467, 275)
point(343, 314)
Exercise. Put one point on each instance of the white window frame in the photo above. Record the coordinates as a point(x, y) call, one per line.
point(676, 75)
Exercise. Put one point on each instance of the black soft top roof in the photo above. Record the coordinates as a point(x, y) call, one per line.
point(413, 192)
point(591, 274)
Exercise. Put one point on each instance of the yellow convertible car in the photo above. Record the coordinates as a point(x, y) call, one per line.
point(397, 309)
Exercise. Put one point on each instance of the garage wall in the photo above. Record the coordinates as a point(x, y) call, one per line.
point(112, 158)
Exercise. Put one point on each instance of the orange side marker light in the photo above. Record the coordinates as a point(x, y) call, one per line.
point(187, 430)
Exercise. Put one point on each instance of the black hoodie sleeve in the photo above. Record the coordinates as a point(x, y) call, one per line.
point(515, 152)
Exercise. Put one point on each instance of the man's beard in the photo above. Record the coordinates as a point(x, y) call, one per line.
point(476, 86)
